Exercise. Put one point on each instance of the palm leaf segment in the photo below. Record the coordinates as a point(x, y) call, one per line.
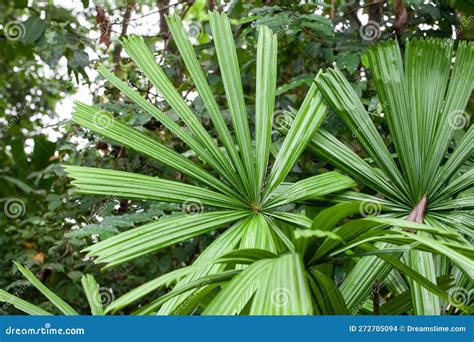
point(297, 282)
point(242, 196)
point(423, 100)
point(292, 283)
point(91, 289)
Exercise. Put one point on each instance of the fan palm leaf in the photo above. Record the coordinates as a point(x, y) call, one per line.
point(239, 192)
point(423, 98)
point(257, 281)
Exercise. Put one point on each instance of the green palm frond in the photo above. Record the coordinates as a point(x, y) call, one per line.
point(422, 97)
point(64, 307)
point(257, 281)
point(296, 283)
point(89, 284)
point(270, 258)
point(239, 192)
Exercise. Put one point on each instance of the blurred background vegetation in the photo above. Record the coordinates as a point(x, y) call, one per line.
point(47, 54)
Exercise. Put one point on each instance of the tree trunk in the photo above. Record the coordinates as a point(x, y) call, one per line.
point(123, 33)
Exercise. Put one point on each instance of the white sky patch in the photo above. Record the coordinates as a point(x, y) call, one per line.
point(363, 17)
point(145, 23)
